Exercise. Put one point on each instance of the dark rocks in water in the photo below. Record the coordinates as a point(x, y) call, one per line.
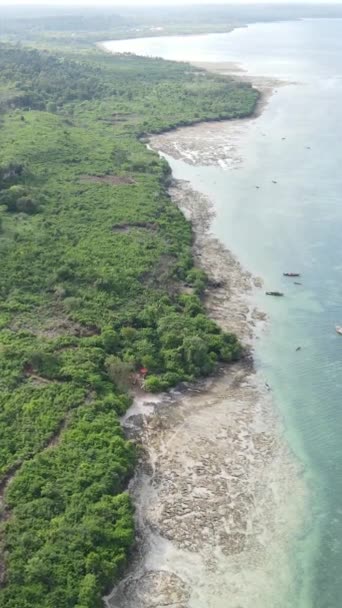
point(215, 284)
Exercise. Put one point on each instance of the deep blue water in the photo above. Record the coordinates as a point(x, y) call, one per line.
point(295, 224)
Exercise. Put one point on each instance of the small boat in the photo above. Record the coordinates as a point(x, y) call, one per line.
point(291, 274)
point(296, 283)
point(339, 329)
point(274, 181)
point(257, 187)
point(298, 348)
point(274, 293)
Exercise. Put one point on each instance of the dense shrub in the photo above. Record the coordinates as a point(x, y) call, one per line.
point(92, 290)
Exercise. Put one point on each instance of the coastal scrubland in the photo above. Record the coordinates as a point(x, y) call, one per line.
point(97, 281)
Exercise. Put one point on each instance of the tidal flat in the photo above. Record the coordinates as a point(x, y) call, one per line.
point(218, 493)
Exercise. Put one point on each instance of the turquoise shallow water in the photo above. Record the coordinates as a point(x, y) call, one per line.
point(295, 224)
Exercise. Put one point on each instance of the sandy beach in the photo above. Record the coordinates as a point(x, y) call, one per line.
point(218, 494)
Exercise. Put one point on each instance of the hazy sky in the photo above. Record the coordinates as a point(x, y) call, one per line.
point(154, 2)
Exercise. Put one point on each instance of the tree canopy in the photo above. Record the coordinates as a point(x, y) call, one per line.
point(97, 281)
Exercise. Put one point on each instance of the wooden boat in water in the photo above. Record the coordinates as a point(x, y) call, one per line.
point(339, 329)
point(291, 274)
point(274, 293)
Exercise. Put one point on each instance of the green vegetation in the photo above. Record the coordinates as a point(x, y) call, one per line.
point(97, 281)
point(81, 29)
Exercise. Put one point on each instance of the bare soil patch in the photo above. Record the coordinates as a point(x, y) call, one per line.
point(113, 180)
point(125, 227)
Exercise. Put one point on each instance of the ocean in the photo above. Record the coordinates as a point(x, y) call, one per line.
point(292, 225)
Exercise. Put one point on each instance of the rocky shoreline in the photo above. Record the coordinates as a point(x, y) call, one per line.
point(218, 494)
